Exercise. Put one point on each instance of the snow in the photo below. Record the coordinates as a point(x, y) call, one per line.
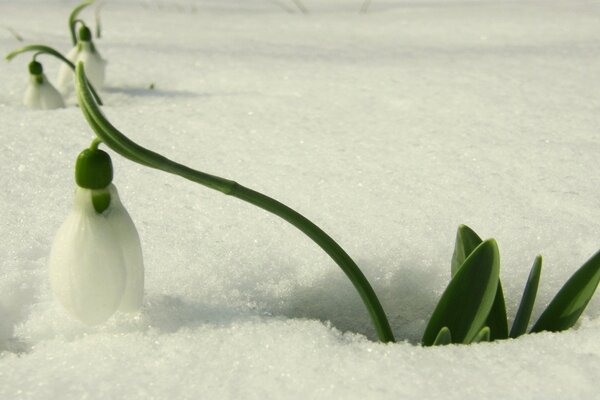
point(387, 129)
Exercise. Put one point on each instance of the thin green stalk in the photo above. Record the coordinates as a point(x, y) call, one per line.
point(98, 20)
point(300, 6)
point(73, 18)
point(95, 143)
point(129, 149)
point(109, 142)
point(42, 49)
point(330, 247)
point(365, 6)
point(14, 33)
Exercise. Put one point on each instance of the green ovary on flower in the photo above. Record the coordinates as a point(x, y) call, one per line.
point(93, 169)
point(85, 35)
point(40, 94)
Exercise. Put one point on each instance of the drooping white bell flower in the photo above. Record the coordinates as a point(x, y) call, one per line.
point(95, 65)
point(40, 94)
point(129, 241)
point(95, 264)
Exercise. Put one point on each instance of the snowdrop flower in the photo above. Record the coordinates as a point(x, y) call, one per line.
point(40, 94)
point(86, 52)
point(95, 264)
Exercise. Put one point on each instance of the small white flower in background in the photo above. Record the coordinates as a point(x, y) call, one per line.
point(40, 94)
point(95, 264)
point(84, 51)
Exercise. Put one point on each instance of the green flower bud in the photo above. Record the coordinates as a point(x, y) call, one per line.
point(35, 68)
point(84, 34)
point(93, 169)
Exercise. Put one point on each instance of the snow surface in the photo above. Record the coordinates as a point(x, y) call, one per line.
point(387, 129)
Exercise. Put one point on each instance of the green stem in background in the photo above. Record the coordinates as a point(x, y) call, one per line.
point(14, 33)
point(74, 28)
point(365, 6)
point(301, 6)
point(98, 20)
point(73, 19)
point(42, 49)
point(129, 149)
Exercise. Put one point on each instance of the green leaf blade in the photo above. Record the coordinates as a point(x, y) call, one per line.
point(467, 301)
point(570, 301)
point(443, 338)
point(523, 316)
point(466, 241)
point(497, 320)
point(483, 335)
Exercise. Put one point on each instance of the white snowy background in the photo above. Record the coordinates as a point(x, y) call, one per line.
point(387, 129)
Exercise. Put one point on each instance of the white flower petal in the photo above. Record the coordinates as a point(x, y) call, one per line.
point(87, 268)
point(42, 96)
point(129, 241)
point(94, 68)
point(94, 65)
point(65, 80)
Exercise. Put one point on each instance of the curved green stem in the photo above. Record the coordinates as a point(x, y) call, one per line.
point(42, 49)
point(73, 19)
point(95, 143)
point(129, 149)
point(325, 242)
point(108, 141)
point(73, 28)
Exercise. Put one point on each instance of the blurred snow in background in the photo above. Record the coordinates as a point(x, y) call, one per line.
point(387, 129)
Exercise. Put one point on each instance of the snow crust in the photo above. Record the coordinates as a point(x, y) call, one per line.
point(387, 129)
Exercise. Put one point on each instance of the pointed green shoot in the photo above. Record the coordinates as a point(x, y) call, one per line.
point(466, 241)
point(482, 336)
point(521, 321)
point(570, 301)
point(443, 338)
point(497, 319)
point(467, 301)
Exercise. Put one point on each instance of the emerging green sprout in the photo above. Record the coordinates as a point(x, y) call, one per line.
point(472, 307)
point(40, 94)
point(95, 264)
